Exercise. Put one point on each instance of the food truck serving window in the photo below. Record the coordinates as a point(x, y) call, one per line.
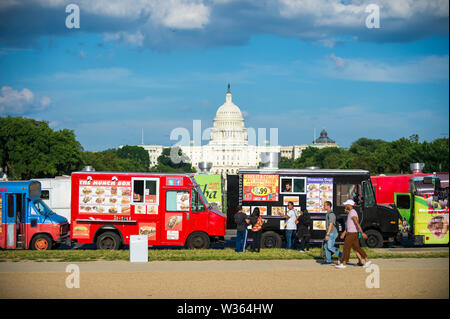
point(145, 190)
point(347, 191)
point(293, 185)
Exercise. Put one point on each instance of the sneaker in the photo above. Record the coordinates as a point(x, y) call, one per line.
point(302, 251)
point(326, 263)
point(367, 264)
point(341, 266)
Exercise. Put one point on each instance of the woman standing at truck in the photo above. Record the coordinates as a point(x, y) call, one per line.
point(256, 222)
point(304, 226)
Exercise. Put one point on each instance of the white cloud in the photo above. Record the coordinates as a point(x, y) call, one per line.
point(423, 69)
point(154, 23)
point(20, 102)
point(135, 39)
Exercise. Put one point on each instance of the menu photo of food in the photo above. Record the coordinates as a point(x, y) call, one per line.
point(173, 221)
point(152, 209)
point(125, 191)
point(182, 201)
point(438, 226)
point(100, 191)
point(294, 199)
point(246, 209)
point(85, 191)
point(314, 194)
point(326, 187)
point(326, 195)
point(148, 229)
point(262, 210)
point(319, 225)
point(80, 230)
point(282, 224)
point(140, 209)
point(313, 187)
point(278, 210)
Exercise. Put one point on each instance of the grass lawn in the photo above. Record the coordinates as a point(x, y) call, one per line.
point(186, 254)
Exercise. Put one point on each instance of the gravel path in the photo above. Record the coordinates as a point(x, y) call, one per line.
point(399, 278)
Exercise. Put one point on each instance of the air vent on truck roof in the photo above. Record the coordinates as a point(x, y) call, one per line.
point(270, 159)
point(88, 169)
point(416, 167)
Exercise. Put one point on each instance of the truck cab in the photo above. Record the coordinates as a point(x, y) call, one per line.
point(26, 222)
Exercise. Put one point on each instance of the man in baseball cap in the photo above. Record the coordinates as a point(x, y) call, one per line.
point(351, 236)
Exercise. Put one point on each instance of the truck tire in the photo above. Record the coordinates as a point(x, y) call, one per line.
point(374, 239)
point(41, 242)
point(198, 240)
point(108, 240)
point(270, 239)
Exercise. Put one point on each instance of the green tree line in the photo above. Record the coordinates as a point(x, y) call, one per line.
point(31, 149)
point(377, 156)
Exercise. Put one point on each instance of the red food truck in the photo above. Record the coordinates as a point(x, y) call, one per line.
point(106, 208)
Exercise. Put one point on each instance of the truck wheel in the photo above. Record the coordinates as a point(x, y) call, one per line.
point(374, 239)
point(198, 241)
point(270, 239)
point(41, 242)
point(108, 240)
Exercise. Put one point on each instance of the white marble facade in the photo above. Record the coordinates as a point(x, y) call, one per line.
point(228, 149)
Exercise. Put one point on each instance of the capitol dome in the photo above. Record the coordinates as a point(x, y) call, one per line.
point(229, 126)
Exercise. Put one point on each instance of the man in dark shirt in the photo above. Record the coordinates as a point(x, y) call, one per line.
point(242, 223)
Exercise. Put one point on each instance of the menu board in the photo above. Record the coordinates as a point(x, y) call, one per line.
point(260, 187)
point(105, 199)
point(318, 190)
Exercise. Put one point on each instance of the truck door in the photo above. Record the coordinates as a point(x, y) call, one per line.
point(11, 216)
point(404, 204)
point(177, 216)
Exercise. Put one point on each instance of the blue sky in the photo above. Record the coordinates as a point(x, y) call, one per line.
point(294, 65)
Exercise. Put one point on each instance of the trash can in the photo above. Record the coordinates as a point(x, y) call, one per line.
point(138, 248)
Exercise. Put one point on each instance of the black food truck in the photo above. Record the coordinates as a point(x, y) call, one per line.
point(272, 189)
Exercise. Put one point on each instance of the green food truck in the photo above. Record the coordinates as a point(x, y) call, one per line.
point(424, 210)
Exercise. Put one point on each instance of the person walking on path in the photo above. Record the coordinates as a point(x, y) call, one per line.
point(351, 236)
point(242, 223)
point(256, 222)
point(304, 226)
point(291, 226)
point(331, 234)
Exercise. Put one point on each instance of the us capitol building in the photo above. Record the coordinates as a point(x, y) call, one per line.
point(228, 149)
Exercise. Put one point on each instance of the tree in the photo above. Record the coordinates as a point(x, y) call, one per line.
point(136, 153)
point(165, 163)
point(109, 161)
point(31, 149)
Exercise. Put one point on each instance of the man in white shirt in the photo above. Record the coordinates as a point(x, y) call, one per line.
point(291, 226)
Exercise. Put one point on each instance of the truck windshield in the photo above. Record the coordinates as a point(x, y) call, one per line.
point(200, 193)
point(42, 208)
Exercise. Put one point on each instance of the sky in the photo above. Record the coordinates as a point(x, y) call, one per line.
point(157, 65)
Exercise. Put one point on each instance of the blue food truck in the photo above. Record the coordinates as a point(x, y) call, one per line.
point(26, 222)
